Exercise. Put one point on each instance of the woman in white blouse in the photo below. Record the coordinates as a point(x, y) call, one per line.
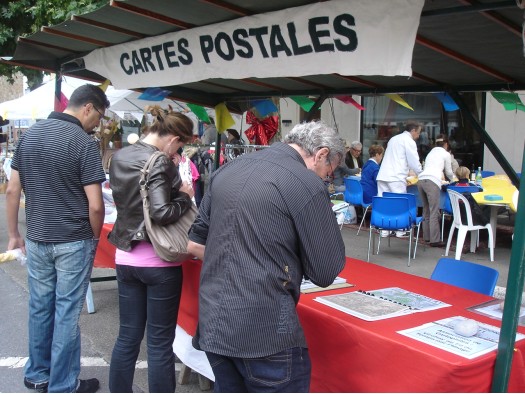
point(437, 161)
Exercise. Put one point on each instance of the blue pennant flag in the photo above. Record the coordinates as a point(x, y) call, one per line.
point(264, 107)
point(448, 103)
point(154, 94)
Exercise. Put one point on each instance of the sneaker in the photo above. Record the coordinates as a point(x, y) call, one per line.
point(384, 233)
point(38, 387)
point(437, 244)
point(88, 386)
point(402, 234)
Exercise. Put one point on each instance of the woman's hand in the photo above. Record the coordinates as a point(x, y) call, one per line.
point(187, 188)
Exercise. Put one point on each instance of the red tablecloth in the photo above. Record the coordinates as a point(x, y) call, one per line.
point(105, 256)
point(352, 355)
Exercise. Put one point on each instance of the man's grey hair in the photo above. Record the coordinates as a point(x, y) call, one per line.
point(356, 145)
point(312, 136)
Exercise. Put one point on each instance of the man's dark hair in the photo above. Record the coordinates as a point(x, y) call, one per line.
point(86, 94)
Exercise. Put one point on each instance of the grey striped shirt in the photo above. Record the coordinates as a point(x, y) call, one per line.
point(56, 158)
point(266, 221)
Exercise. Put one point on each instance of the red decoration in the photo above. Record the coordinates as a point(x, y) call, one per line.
point(261, 131)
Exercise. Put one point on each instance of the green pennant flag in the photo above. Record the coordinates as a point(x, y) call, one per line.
point(200, 111)
point(304, 102)
point(510, 101)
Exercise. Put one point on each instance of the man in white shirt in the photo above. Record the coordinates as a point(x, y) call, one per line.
point(400, 157)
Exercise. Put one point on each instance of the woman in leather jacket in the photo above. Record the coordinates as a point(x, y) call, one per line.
point(149, 288)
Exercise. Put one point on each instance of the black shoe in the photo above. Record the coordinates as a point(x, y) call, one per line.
point(88, 386)
point(38, 387)
point(437, 244)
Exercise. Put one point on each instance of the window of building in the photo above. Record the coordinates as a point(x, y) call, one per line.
point(383, 118)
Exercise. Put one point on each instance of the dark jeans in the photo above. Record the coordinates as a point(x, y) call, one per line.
point(147, 296)
point(286, 372)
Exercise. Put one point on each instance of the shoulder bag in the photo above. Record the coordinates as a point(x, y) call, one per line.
point(169, 241)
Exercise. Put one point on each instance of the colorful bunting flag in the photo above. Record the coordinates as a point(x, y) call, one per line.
point(264, 107)
point(223, 118)
point(350, 100)
point(510, 101)
point(60, 105)
point(448, 102)
point(398, 99)
point(304, 102)
point(104, 85)
point(199, 111)
point(154, 94)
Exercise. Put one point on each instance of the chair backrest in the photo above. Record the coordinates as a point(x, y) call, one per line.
point(391, 213)
point(353, 191)
point(412, 201)
point(486, 174)
point(466, 275)
point(447, 207)
point(455, 199)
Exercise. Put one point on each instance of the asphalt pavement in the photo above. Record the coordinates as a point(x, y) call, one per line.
point(99, 330)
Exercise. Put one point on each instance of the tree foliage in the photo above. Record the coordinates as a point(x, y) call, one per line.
point(21, 18)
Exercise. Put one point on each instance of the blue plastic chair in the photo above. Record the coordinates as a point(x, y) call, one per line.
point(391, 213)
point(354, 196)
point(486, 174)
point(466, 275)
point(413, 212)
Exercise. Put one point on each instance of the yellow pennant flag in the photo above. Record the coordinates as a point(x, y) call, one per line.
point(397, 98)
point(223, 118)
point(104, 85)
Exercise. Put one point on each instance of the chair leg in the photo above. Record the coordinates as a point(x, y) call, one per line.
point(442, 225)
point(462, 233)
point(450, 235)
point(369, 243)
point(474, 240)
point(362, 220)
point(89, 300)
point(409, 247)
point(417, 239)
point(379, 242)
point(491, 243)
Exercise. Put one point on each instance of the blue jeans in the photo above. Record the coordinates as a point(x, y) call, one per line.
point(285, 372)
point(147, 296)
point(58, 277)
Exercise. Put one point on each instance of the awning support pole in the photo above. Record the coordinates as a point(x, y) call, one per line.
point(58, 91)
point(315, 107)
point(513, 295)
point(486, 138)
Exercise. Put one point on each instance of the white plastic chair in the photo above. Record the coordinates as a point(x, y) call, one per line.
point(455, 199)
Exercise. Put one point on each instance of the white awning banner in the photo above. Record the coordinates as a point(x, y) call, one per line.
point(349, 37)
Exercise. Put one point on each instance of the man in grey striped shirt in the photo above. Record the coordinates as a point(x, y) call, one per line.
point(58, 166)
point(264, 223)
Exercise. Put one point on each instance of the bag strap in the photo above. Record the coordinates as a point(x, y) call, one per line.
point(144, 174)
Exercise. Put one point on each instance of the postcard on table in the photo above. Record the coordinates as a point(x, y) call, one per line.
point(441, 334)
point(364, 306)
point(381, 304)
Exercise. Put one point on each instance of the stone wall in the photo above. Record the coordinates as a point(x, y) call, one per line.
point(10, 91)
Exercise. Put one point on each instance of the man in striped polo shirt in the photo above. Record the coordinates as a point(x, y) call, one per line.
point(59, 168)
point(264, 224)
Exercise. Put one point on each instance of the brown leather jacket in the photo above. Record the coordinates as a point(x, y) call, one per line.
point(167, 203)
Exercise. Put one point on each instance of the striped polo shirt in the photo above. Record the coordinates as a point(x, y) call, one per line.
point(266, 222)
point(56, 158)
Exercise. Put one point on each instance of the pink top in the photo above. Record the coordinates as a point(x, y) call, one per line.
point(142, 255)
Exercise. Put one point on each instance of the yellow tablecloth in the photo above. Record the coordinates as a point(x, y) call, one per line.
point(499, 185)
